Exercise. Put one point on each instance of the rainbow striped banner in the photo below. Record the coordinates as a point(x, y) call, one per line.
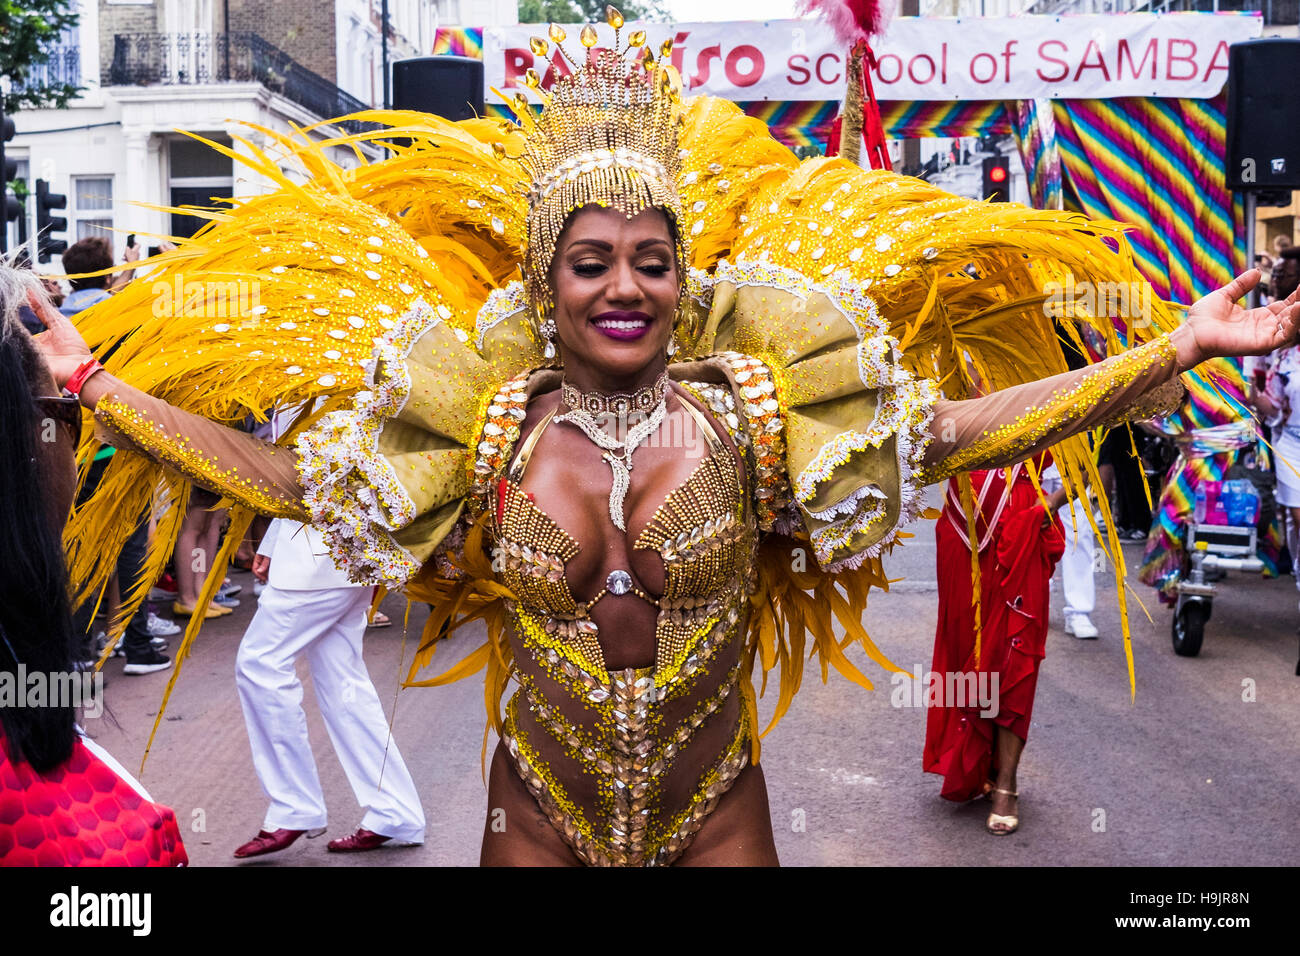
point(796, 124)
point(912, 119)
point(1157, 164)
point(809, 123)
point(458, 41)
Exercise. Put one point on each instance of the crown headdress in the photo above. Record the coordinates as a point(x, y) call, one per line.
point(606, 136)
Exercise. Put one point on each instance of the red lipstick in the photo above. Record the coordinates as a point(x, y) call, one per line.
point(623, 326)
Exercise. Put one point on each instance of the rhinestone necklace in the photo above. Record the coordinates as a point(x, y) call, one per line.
point(583, 407)
point(644, 399)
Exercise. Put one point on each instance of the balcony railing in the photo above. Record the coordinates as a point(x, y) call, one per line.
point(188, 59)
point(63, 67)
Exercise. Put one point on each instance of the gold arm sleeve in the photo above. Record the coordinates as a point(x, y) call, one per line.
point(252, 472)
point(1016, 423)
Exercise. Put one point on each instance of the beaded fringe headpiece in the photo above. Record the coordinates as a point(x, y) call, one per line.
point(606, 136)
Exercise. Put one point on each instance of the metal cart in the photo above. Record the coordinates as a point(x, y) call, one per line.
point(1214, 550)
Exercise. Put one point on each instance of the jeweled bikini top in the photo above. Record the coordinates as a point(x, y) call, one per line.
point(701, 530)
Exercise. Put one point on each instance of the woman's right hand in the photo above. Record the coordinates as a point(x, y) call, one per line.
point(61, 345)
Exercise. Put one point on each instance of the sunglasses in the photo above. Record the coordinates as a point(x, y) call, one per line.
point(66, 411)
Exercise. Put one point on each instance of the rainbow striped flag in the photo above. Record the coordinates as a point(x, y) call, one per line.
point(912, 119)
point(796, 124)
point(458, 41)
point(802, 124)
point(1157, 164)
point(1035, 130)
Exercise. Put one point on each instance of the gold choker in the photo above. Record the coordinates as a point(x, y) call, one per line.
point(620, 404)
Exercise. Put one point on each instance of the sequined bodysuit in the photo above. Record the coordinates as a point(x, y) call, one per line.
point(625, 762)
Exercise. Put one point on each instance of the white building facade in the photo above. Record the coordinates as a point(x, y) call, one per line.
point(155, 70)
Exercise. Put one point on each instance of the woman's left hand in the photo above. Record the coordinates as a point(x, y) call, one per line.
point(1217, 326)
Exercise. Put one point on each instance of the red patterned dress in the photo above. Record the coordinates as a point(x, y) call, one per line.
point(87, 812)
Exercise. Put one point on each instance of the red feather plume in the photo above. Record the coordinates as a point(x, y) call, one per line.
point(852, 20)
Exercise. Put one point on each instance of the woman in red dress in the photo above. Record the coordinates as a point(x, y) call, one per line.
point(976, 743)
point(63, 801)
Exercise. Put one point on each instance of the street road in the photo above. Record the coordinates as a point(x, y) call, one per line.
point(1202, 768)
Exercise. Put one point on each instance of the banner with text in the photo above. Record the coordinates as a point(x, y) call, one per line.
point(1182, 55)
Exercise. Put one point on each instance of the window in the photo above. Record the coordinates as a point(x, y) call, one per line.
point(12, 230)
point(199, 176)
point(91, 206)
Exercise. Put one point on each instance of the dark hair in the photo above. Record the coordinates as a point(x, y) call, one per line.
point(88, 255)
point(1286, 272)
point(35, 616)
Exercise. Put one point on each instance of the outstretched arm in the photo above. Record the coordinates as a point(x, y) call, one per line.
point(253, 472)
point(1013, 424)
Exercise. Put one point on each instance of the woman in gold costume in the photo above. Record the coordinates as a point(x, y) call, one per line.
point(633, 529)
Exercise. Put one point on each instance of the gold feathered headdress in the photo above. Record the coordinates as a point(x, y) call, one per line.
point(607, 136)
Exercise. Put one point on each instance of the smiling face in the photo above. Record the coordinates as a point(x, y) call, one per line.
point(616, 290)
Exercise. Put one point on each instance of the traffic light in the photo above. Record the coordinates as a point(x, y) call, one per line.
point(8, 173)
point(997, 179)
point(47, 225)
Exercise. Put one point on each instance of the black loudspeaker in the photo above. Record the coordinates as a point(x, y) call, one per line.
point(1263, 115)
point(446, 86)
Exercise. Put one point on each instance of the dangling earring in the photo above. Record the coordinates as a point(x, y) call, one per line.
point(548, 331)
point(672, 336)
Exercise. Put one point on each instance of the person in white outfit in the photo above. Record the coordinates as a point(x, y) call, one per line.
point(1077, 564)
point(1280, 404)
point(309, 607)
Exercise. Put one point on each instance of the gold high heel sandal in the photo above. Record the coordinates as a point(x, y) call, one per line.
point(997, 823)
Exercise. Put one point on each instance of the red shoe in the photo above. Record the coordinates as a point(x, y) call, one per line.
point(268, 842)
point(165, 589)
point(358, 842)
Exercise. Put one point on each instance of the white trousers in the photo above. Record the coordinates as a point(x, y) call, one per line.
point(1077, 563)
point(327, 625)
